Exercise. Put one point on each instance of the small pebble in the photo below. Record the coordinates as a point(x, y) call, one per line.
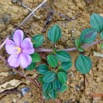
point(25, 90)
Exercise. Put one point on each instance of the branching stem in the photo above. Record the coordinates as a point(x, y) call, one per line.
point(69, 49)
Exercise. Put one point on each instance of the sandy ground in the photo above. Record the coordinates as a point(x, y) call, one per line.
point(12, 14)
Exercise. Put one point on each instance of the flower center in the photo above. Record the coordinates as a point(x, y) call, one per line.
point(18, 50)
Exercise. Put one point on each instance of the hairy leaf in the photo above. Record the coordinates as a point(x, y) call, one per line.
point(53, 94)
point(77, 42)
point(54, 34)
point(57, 84)
point(88, 35)
point(31, 66)
point(38, 40)
point(46, 87)
point(101, 35)
point(96, 22)
point(66, 65)
point(49, 76)
point(42, 68)
point(35, 57)
point(52, 60)
point(63, 88)
point(62, 77)
point(63, 56)
point(83, 64)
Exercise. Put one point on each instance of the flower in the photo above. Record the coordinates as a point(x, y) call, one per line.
point(19, 50)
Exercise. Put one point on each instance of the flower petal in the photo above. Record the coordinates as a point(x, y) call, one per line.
point(27, 46)
point(25, 60)
point(10, 47)
point(18, 37)
point(13, 60)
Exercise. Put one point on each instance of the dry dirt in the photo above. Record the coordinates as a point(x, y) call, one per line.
point(12, 14)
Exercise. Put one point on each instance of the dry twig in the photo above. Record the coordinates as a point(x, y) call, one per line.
point(22, 74)
point(32, 13)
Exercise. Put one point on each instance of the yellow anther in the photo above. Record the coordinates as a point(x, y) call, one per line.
point(18, 50)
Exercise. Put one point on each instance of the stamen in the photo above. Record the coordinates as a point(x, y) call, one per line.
point(18, 50)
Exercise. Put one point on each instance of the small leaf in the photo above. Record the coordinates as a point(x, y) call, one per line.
point(57, 84)
point(52, 60)
point(31, 66)
point(77, 42)
point(49, 76)
point(83, 64)
point(89, 60)
point(101, 35)
point(54, 34)
point(38, 40)
point(88, 35)
point(101, 46)
point(63, 56)
point(66, 65)
point(53, 94)
point(80, 49)
point(46, 87)
point(35, 57)
point(46, 95)
point(96, 22)
point(40, 79)
point(62, 77)
point(42, 68)
point(63, 88)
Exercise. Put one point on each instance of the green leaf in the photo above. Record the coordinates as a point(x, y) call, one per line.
point(89, 60)
point(42, 68)
point(52, 60)
point(83, 64)
point(31, 66)
point(96, 22)
point(101, 35)
point(101, 46)
point(66, 65)
point(49, 76)
point(88, 35)
point(35, 57)
point(62, 77)
point(46, 95)
point(54, 34)
point(80, 49)
point(63, 88)
point(38, 40)
point(46, 87)
point(57, 84)
point(40, 79)
point(77, 42)
point(53, 94)
point(63, 56)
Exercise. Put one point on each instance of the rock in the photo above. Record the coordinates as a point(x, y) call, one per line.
point(14, 100)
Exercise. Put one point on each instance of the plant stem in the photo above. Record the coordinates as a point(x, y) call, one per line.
point(68, 49)
point(31, 80)
point(22, 74)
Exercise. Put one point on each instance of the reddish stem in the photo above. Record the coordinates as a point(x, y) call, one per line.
point(68, 49)
point(22, 74)
point(31, 80)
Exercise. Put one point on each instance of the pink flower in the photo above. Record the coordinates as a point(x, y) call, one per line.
point(19, 50)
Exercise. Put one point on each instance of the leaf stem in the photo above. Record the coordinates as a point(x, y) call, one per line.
point(68, 49)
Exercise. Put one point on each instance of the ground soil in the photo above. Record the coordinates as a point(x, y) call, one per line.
point(11, 14)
